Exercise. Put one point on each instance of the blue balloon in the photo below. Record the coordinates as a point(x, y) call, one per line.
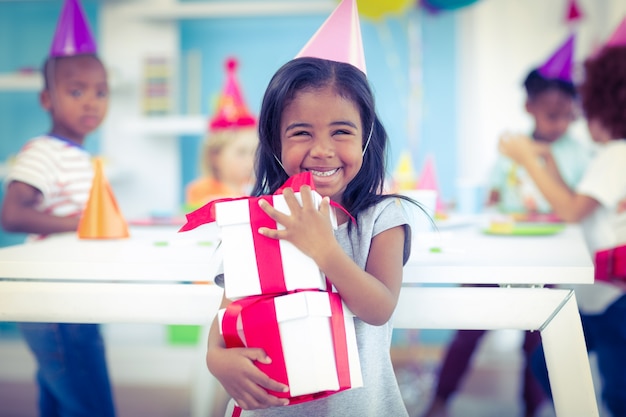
point(446, 4)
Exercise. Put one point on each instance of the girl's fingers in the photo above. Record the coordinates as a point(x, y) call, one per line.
point(272, 212)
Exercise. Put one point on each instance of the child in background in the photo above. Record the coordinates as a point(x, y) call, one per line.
point(227, 157)
point(594, 202)
point(551, 101)
point(318, 115)
point(46, 191)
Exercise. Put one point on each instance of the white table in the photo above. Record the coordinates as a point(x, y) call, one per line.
point(145, 279)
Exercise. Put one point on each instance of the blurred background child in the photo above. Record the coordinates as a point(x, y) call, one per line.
point(551, 101)
point(46, 191)
point(595, 202)
point(227, 155)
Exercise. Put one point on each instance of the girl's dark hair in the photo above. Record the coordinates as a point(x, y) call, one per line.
point(536, 84)
point(301, 73)
point(603, 90)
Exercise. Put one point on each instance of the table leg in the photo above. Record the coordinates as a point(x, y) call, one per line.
point(568, 363)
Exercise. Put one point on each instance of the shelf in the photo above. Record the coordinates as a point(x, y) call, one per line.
point(21, 82)
point(32, 81)
point(222, 9)
point(168, 125)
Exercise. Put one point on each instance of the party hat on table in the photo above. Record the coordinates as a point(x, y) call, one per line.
point(232, 111)
point(72, 35)
point(560, 64)
point(404, 176)
point(339, 37)
point(427, 180)
point(102, 218)
point(618, 37)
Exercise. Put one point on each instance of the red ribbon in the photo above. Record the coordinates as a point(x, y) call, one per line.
point(610, 264)
point(269, 261)
point(206, 213)
point(261, 330)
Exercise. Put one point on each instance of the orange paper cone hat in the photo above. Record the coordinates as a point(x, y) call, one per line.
point(102, 218)
point(339, 37)
point(232, 111)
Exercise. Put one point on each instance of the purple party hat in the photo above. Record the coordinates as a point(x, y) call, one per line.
point(72, 35)
point(559, 65)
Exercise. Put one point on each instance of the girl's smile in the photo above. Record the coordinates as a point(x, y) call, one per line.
point(321, 133)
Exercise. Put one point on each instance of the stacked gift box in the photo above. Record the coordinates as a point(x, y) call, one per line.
point(282, 302)
point(610, 264)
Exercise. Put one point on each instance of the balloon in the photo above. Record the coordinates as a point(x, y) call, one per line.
point(436, 5)
point(377, 9)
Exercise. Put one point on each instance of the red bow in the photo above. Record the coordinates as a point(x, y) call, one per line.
point(206, 213)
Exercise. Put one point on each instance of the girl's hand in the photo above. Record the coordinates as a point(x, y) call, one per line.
point(518, 147)
point(307, 228)
point(244, 382)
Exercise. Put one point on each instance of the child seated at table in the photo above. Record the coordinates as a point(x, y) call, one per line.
point(551, 101)
point(46, 191)
point(595, 202)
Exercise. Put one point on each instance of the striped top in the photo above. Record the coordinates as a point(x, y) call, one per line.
point(62, 171)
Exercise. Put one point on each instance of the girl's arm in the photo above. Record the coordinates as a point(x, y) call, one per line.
point(19, 214)
point(236, 371)
point(568, 205)
point(371, 294)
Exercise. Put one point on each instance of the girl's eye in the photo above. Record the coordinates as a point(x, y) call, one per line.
point(300, 134)
point(102, 93)
point(76, 93)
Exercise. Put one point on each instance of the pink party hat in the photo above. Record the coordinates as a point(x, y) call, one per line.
point(72, 36)
point(339, 37)
point(427, 180)
point(559, 65)
point(231, 109)
point(618, 37)
point(574, 13)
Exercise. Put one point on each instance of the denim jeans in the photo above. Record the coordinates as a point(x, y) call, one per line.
point(605, 334)
point(71, 369)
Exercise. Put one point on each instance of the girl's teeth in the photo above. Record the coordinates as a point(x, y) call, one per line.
point(324, 173)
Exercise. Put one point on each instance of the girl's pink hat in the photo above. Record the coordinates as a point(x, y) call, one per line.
point(72, 35)
point(559, 65)
point(231, 112)
point(339, 37)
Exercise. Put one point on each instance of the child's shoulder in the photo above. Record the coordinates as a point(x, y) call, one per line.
point(42, 142)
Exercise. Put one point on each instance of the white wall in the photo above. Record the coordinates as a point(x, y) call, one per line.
point(147, 166)
point(499, 42)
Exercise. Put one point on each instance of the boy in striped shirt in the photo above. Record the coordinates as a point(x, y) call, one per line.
point(46, 191)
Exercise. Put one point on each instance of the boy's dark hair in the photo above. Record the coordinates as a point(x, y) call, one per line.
point(536, 84)
point(47, 69)
point(349, 82)
point(603, 90)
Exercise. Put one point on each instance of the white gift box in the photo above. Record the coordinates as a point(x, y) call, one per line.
point(306, 337)
point(244, 249)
